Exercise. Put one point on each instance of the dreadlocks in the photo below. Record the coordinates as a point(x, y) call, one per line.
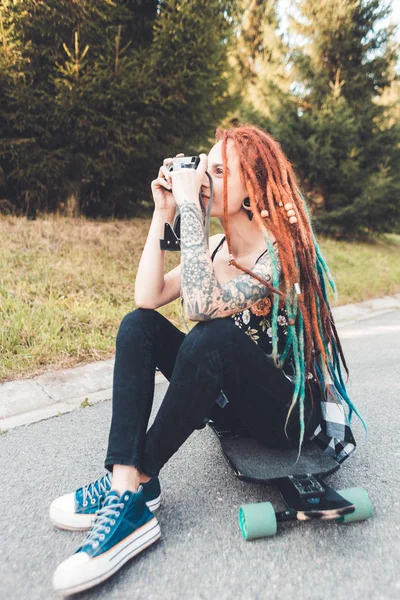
point(312, 337)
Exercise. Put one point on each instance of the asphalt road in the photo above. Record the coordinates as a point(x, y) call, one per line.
point(201, 554)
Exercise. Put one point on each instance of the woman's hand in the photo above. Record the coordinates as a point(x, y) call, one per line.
point(186, 183)
point(161, 187)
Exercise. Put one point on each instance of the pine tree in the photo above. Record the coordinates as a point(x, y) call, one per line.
point(110, 88)
point(8, 61)
point(259, 63)
point(349, 158)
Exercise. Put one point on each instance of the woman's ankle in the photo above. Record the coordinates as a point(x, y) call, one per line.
point(144, 478)
point(125, 478)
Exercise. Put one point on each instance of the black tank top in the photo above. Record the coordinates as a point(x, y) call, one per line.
point(256, 320)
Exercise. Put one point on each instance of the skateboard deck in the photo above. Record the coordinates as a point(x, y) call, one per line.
point(253, 462)
point(300, 483)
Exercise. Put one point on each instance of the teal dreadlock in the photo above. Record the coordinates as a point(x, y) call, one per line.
point(334, 368)
point(295, 338)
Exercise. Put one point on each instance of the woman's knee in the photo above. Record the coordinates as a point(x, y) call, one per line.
point(136, 321)
point(208, 337)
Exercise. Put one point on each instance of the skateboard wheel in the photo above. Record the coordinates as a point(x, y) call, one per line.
point(257, 520)
point(362, 503)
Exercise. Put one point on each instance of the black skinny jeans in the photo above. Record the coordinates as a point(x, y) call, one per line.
point(216, 355)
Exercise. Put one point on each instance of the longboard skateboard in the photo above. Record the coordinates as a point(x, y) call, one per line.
point(307, 497)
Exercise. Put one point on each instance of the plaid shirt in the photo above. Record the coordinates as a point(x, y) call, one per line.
point(333, 435)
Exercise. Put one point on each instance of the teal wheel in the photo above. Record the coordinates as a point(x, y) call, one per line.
point(257, 520)
point(360, 499)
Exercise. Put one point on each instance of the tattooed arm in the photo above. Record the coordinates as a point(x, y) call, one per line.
point(205, 298)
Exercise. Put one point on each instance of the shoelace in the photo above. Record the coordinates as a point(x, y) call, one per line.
point(105, 519)
point(101, 486)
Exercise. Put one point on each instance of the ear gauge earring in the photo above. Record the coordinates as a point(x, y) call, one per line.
point(246, 205)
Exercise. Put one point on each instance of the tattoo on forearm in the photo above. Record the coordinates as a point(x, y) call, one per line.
point(205, 298)
point(192, 230)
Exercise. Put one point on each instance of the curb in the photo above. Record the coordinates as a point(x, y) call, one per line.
point(49, 395)
point(58, 408)
point(54, 393)
point(352, 313)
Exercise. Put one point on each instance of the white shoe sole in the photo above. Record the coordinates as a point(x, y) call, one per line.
point(70, 521)
point(84, 572)
point(154, 504)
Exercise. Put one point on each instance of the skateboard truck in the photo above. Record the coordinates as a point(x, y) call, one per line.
point(307, 486)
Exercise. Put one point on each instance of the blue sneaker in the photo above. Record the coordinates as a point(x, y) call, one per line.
point(123, 527)
point(76, 511)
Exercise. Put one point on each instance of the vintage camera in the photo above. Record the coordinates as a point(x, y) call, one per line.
point(172, 235)
point(184, 162)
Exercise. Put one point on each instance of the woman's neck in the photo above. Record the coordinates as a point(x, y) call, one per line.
point(245, 235)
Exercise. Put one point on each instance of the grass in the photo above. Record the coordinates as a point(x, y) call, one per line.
point(363, 270)
point(66, 283)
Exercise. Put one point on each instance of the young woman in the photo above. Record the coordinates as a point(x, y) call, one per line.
point(263, 359)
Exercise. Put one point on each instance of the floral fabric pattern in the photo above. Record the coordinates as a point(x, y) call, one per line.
point(262, 308)
point(257, 323)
